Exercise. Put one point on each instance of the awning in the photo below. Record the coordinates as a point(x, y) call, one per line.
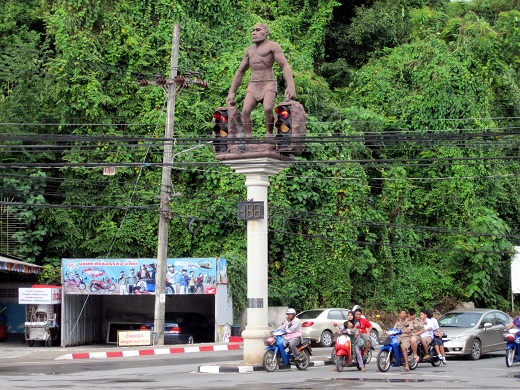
point(8, 264)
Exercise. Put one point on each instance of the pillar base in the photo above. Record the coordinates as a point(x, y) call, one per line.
point(254, 347)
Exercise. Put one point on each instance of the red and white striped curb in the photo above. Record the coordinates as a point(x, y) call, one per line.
point(149, 352)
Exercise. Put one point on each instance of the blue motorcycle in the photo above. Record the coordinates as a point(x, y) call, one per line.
point(390, 354)
point(512, 336)
point(276, 354)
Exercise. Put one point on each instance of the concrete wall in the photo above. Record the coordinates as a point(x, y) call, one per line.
point(275, 314)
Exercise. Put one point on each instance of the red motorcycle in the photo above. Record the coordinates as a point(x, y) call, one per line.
point(342, 352)
point(100, 285)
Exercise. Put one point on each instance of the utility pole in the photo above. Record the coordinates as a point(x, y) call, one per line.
point(164, 212)
point(169, 85)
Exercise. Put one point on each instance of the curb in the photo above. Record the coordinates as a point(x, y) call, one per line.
point(242, 368)
point(148, 352)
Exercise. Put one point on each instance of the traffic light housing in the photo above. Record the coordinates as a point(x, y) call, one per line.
point(290, 127)
point(220, 129)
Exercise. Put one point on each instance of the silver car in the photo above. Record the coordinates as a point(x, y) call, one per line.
point(317, 325)
point(473, 332)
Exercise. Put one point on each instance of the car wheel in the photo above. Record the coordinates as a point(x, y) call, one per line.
point(476, 350)
point(374, 335)
point(326, 339)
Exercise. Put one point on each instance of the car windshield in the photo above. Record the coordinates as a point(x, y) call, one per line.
point(174, 317)
point(305, 315)
point(460, 320)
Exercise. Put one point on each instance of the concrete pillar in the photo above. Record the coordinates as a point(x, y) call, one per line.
point(257, 172)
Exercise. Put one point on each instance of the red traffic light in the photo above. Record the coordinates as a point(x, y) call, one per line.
point(283, 111)
point(219, 117)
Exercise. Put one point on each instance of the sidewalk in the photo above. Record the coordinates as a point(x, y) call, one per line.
point(17, 350)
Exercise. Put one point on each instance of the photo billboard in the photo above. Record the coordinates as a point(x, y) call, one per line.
point(137, 276)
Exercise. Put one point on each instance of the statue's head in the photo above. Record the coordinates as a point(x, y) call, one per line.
point(260, 33)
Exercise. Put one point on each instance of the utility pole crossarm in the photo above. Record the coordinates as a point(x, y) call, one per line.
point(182, 81)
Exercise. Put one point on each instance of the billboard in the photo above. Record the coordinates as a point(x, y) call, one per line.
point(515, 271)
point(137, 276)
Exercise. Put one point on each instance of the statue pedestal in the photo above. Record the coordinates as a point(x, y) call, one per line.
point(257, 170)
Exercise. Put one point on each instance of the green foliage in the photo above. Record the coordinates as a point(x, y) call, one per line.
point(414, 81)
point(50, 275)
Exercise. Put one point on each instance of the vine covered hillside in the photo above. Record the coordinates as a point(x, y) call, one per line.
point(407, 193)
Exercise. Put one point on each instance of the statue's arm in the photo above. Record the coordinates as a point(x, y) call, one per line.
point(237, 79)
point(290, 91)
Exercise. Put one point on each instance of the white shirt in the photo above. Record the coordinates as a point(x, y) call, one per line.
point(428, 327)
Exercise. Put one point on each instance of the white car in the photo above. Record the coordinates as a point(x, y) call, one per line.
point(317, 325)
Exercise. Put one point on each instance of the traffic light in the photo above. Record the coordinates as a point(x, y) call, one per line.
point(220, 129)
point(290, 125)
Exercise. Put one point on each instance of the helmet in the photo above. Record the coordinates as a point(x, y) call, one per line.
point(290, 311)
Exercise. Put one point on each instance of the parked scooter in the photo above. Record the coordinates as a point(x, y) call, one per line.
point(343, 353)
point(512, 336)
point(98, 285)
point(276, 354)
point(390, 354)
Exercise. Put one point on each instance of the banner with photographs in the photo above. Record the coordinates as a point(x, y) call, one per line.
point(137, 276)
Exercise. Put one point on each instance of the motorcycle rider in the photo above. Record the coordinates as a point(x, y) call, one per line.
point(365, 327)
point(516, 324)
point(417, 328)
point(349, 329)
point(404, 325)
point(293, 327)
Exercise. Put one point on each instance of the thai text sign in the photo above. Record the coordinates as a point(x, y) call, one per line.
point(34, 296)
point(127, 338)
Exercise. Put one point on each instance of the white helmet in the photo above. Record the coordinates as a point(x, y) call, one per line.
point(290, 311)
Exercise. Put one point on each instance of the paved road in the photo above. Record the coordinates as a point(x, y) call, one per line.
point(181, 371)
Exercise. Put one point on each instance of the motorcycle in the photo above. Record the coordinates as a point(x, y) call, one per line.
point(98, 285)
point(434, 359)
point(390, 353)
point(276, 354)
point(75, 281)
point(343, 354)
point(512, 336)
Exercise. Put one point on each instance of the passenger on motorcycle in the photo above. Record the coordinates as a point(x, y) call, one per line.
point(516, 324)
point(293, 328)
point(427, 335)
point(404, 325)
point(349, 329)
point(364, 326)
point(437, 342)
point(417, 327)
